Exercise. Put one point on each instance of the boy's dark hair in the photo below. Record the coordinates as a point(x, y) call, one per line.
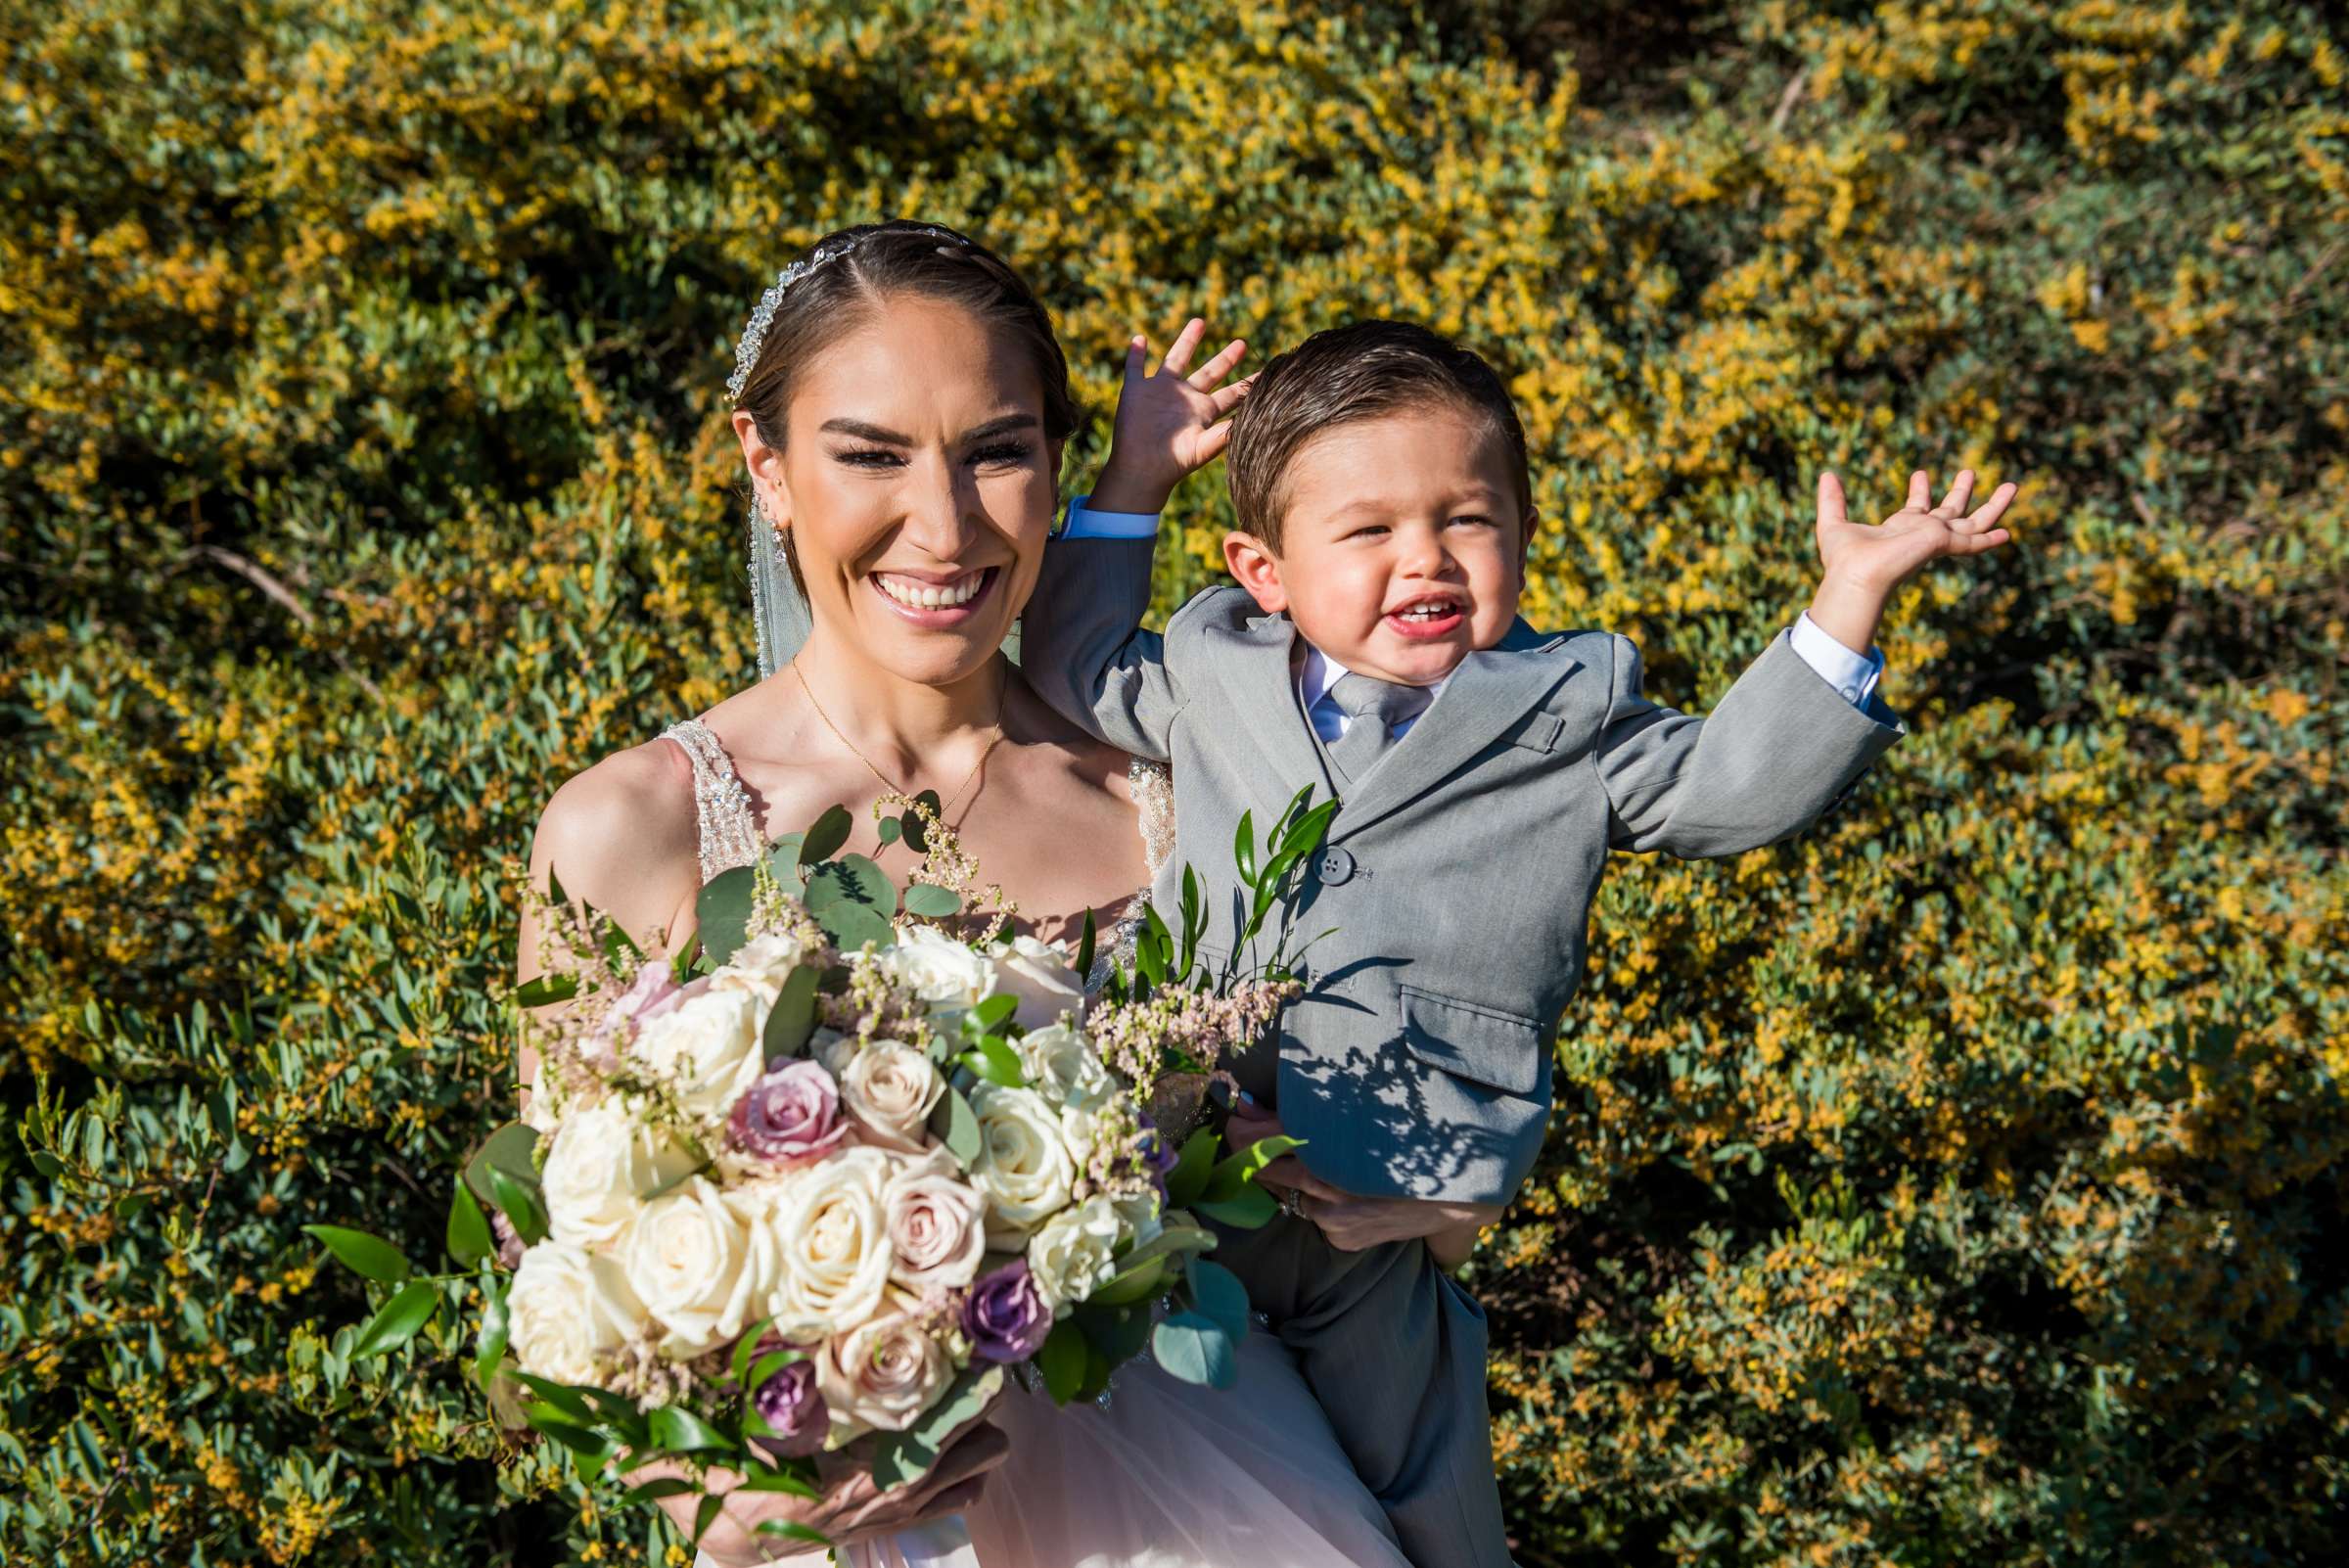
point(1365, 370)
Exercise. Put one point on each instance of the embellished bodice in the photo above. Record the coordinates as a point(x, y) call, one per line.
point(729, 828)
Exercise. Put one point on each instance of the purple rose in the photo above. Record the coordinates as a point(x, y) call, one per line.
point(790, 1115)
point(1005, 1315)
point(792, 1409)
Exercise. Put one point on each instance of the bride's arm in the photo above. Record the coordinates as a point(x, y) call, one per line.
point(621, 837)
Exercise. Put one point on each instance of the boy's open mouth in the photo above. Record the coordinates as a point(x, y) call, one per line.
point(935, 600)
point(1428, 616)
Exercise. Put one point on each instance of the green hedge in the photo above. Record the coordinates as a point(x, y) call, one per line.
point(1962, 1183)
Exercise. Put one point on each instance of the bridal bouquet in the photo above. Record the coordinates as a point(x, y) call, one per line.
point(834, 1171)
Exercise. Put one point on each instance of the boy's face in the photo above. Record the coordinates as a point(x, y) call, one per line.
point(1402, 545)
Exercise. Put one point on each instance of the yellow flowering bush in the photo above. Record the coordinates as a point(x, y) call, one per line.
point(1966, 1181)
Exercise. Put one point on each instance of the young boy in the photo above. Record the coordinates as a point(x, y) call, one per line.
point(1372, 649)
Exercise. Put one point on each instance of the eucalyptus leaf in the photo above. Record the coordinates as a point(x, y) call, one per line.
point(1218, 1294)
point(512, 1148)
point(791, 1022)
point(853, 926)
point(723, 911)
point(928, 902)
point(900, 1458)
point(1196, 1349)
point(823, 840)
point(956, 1125)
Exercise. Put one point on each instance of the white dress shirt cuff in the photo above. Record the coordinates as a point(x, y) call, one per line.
point(1086, 523)
point(1853, 675)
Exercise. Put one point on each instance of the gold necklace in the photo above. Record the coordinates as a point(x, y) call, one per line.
point(892, 784)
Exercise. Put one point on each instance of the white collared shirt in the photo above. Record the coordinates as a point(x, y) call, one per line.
point(1853, 675)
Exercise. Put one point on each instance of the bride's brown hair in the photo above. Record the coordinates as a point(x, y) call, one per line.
point(850, 273)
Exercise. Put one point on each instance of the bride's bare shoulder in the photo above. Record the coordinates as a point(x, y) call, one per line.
point(628, 821)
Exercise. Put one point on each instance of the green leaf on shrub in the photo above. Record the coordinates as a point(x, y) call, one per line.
point(903, 1456)
point(369, 1256)
point(1196, 1349)
point(469, 1235)
point(1062, 1361)
point(410, 1307)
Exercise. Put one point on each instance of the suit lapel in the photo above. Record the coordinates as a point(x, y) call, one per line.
point(1260, 693)
point(1491, 691)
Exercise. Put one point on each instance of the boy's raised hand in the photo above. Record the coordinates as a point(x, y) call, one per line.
point(1170, 424)
point(1862, 567)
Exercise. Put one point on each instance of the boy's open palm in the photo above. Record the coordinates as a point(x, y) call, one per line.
point(1171, 423)
point(1882, 556)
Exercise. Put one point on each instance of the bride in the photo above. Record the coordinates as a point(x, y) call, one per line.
point(902, 404)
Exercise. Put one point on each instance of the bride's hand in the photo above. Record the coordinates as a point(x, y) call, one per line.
point(1170, 424)
point(1351, 1221)
point(851, 1509)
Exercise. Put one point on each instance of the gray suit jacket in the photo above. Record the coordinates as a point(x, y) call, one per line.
point(1459, 871)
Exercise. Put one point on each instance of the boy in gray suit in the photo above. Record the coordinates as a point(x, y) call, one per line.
point(1373, 650)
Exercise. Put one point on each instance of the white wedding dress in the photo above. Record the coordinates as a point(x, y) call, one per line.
point(1162, 1473)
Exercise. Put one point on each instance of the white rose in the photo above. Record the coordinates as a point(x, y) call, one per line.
point(1024, 1168)
point(883, 1373)
point(1038, 973)
point(1060, 1065)
point(761, 966)
point(568, 1310)
point(829, 1230)
point(708, 1049)
point(602, 1164)
point(889, 1087)
point(1138, 1213)
point(1074, 1254)
point(936, 1224)
point(945, 974)
point(690, 1261)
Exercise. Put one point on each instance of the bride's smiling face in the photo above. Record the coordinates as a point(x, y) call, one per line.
point(917, 483)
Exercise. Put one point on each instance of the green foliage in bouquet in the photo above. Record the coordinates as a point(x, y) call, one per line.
point(1168, 1027)
point(1964, 1183)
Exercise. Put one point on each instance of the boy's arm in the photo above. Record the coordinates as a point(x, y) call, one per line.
point(1767, 761)
point(1082, 646)
point(1803, 722)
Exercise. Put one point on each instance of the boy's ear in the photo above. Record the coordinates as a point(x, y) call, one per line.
point(1251, 562)
point(1525, 542)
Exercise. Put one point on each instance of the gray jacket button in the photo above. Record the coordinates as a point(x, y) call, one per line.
point(1336, 867)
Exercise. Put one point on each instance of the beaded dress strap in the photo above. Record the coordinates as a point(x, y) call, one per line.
point(721, 803)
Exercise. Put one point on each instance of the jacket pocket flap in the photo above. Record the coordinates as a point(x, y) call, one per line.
point(1476, 1042)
